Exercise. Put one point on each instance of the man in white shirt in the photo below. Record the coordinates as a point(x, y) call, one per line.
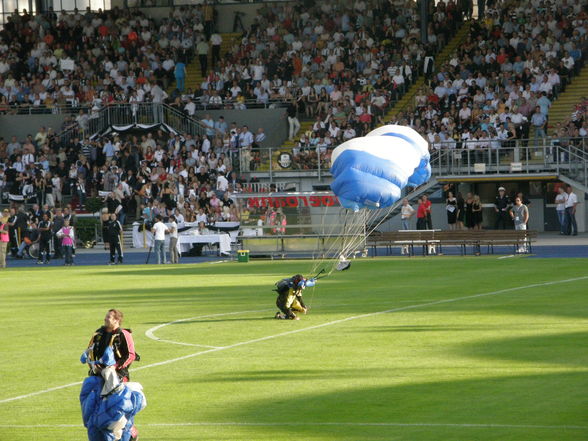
point(174, 256)
point(190, 107)
point(260, 137)
point(159, 229)
point(245, 137)
point(222, 184)
point(570, 207)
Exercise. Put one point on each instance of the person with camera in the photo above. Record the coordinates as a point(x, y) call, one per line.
point(159, 229)
point(115, 230)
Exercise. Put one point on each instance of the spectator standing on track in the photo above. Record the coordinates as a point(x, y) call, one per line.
point(570, 206)
point(114, 238)
point(159, 229)
point(561, 200)
point(501, 207)
point(174, 256)
point(460, 211)
point(477, 212)
point(520, 216)
point(428, 207)
point(406, 213)
point(421, 215)
point(451, 207)
point(67, 237)
point(469, 211)
point(4, 237)
point(45, 240)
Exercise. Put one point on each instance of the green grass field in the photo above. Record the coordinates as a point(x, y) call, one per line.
point(393, 349)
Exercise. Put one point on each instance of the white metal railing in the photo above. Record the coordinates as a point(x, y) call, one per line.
point(567, 156)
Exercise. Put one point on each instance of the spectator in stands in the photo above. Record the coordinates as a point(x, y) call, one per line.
point(180, 73)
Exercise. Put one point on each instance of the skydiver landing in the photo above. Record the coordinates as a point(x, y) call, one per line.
point(289, 299)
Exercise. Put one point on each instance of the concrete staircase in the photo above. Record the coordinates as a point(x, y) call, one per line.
point(443, 57)
point(564, 105)
point(194, 77)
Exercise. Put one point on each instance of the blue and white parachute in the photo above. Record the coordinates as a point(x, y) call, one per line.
point(372, 170)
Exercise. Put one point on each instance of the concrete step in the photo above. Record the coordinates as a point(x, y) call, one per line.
point(440, 59)
point(563, 107)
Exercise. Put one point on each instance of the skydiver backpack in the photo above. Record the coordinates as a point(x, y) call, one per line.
point(282, 286)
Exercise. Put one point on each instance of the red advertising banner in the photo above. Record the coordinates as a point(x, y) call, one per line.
point(292, 201)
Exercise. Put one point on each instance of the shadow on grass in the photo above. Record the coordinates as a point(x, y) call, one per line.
point(285, 375)
point(565, 348)
point(556, 399)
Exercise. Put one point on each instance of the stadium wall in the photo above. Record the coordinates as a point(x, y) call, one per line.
point(23, 125)
point(542, 214)
point(273, 121)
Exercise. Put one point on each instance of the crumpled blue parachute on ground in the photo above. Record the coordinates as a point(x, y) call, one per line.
point(371, 171)
point(109, 406)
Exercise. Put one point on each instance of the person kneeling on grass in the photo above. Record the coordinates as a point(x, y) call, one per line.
point(290, 296)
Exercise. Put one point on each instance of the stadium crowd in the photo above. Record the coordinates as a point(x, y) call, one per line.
point(340, 66)
point(154, 173)
point(290, 52)
point(499, 85)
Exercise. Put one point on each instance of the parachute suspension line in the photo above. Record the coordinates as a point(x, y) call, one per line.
point(359, 235)
point(337, 241)
point(325, 254)
point(333, 239)
point(351, 236)
point(372, 219)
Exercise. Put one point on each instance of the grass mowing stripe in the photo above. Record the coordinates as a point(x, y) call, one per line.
point(223, 424)
point(296, 331)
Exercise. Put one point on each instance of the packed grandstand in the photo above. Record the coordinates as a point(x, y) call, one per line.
point(336, 70)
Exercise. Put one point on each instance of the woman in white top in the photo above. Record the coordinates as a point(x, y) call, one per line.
point(561, 199)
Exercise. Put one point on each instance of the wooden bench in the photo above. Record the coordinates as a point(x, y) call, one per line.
point(521, 241)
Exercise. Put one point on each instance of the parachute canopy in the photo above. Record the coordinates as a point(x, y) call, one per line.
point(372, 170)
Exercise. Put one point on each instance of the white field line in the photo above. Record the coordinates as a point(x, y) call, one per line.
point(150, 333)
point(505, 257)
point(298, 424)
point(309, 328)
